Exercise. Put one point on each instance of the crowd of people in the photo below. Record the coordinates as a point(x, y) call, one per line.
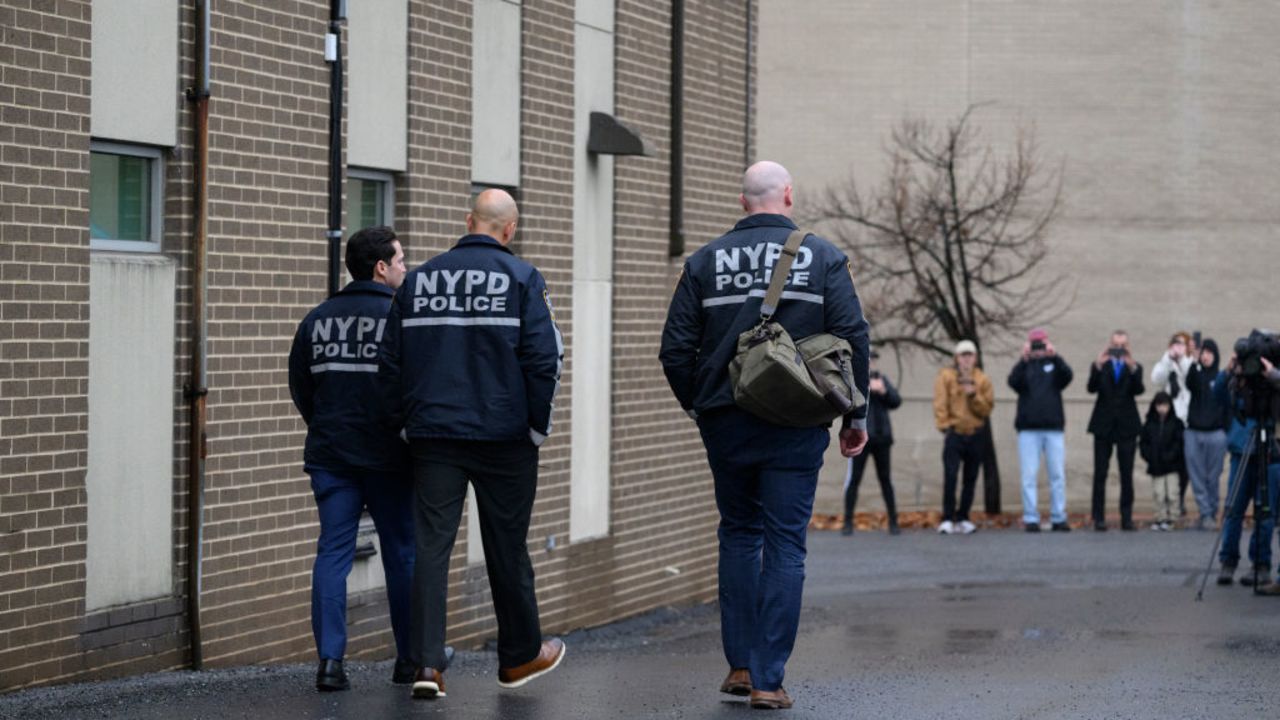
point(1193, 422)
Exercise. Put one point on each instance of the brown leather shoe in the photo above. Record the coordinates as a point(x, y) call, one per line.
point(549, 657)
point(737, 683)
point(428, 683)
point(1272, 589)
point(770, 699)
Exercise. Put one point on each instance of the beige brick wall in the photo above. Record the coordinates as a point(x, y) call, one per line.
point(1160, 112)
point(267, 200)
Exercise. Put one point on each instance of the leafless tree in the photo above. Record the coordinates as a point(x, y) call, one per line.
point(952, 244)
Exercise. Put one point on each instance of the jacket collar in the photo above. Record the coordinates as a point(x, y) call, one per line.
point(765, 220)
point(483, 240)
point(367, 286)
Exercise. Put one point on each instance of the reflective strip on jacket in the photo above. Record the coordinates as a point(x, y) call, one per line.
point(472, 349)
point(718, 298)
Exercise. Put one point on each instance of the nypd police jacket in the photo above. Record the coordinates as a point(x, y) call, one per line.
point(333, 377)
point(472, 351)
point(718, 298)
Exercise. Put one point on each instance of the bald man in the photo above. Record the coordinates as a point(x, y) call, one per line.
point(765, 474)
point(473, 348)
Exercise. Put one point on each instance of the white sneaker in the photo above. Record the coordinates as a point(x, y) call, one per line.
point(946, 528)
point(967, 528)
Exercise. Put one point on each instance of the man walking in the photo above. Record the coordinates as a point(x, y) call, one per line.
point(962, 401)
point(473, 348)
point(352, 453)
point(1116, 378)
point(1039, 379)
point(765, 474)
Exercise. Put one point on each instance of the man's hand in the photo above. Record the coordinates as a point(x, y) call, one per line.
point(1267, 365)
point(877, 386)
point(1103, 358)
point(1128, 360)
point(1048, 349)
point(852, 441)
point(1026, 351)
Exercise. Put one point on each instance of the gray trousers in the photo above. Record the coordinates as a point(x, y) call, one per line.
point(1205, 452)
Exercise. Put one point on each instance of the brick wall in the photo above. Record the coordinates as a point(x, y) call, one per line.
point(268, 138)
point(44, 335)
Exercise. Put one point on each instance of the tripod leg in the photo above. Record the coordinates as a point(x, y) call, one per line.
point(1234, 483)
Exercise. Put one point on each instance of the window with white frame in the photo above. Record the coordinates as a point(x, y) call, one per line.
point(126, 197)
point(370, 199)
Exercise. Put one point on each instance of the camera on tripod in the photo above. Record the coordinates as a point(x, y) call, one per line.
point(1259, 400)
point(1250, 351)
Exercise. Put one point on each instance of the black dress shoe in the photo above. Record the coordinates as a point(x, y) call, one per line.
point(1099, 526)
point(1061, 527)
point(894, 529)
point(1128, 526)
point(1032, 527)
point(330, 676)
point(847, 528)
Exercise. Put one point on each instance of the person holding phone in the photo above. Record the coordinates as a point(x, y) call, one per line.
point(1039, 379)
point(962, 401)
point(1116, 378)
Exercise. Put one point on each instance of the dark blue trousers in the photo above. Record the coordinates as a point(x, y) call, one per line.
point(765, 478)
point(1233, 517)
point(341, 499)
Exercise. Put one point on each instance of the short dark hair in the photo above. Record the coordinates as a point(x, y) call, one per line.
point(367, 247)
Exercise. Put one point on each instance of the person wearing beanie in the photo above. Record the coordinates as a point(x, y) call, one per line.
point(1205, 439)
point(1039, 379)
point(962, 400)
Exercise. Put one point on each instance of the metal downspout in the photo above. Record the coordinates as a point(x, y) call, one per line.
point(197, 390)
point(333, 55)
point(675, 246)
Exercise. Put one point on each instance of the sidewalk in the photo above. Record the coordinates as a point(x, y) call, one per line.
point(993, 625)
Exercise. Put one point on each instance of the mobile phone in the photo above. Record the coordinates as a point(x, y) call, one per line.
point(1037, 345)
point(1195, 338)
point(1116, 352)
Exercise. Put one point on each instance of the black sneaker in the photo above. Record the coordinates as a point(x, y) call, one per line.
point(894, 529)
point(1264, 577)
point(846, 528)
point(1031, 527)
point(1128, 526)
point(1061, 527)
point(1227, 575)
point(331, 677)
point(1099, 526)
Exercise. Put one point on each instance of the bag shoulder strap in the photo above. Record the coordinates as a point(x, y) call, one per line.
point(780, 272)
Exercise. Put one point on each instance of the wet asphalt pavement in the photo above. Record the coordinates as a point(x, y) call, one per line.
point(994, 625)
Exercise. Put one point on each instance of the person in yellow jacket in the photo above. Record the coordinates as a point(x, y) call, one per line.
point(962, 401)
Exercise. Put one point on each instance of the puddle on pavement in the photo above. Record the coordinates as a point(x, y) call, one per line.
point(1253, 645)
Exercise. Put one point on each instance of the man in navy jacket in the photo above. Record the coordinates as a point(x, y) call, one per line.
point(352, 453)
point(473, 356)
point(760, 469)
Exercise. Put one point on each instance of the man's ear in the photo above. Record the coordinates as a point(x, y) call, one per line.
point(470, 223)
point(786, 196)
point(743, 199)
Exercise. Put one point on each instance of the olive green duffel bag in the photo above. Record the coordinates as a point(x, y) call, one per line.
point(796, 384)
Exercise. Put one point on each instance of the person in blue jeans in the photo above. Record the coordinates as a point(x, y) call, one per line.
point(1039, 379)
point(765, 474)
point(1239, 439)
point(353, 454)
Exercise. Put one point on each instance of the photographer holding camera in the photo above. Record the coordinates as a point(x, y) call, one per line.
point(1248, 387)
point(1170, 375)
point(1116, 378)
point(881, 398)
point(1039, 379)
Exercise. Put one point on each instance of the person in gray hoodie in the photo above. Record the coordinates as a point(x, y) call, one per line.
point(1205, 439)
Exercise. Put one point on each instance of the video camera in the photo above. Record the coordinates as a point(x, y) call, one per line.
point(1260, 399)
point(1250, 351)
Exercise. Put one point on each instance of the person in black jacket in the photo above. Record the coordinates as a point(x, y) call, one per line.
point(352, 453)
point(1205, 440)
point(474, 352)
point(882, 398)
point(1116, 378)
point(1161, 446)
point(765, 475)
point(1039, 379)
